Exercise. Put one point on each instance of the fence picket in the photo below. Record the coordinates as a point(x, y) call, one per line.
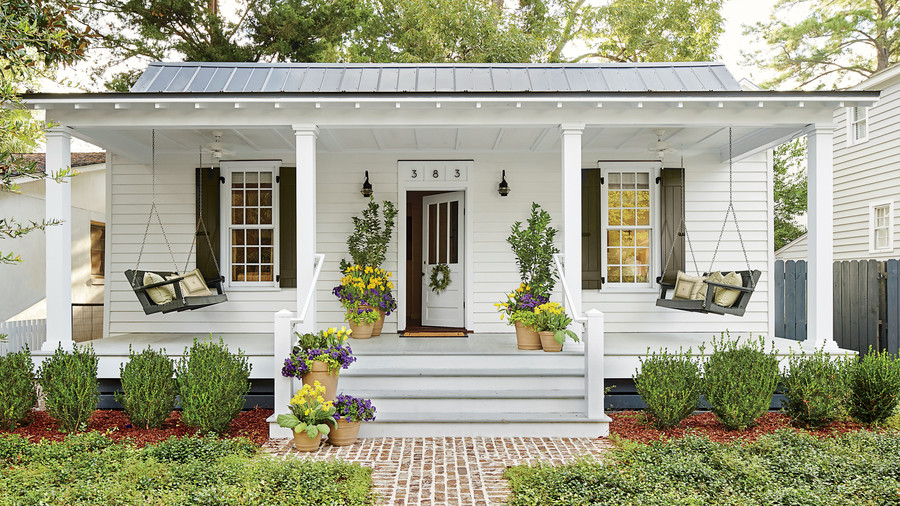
point(790, 321)
point(892, 299)
point(780, 307)
point(22, 333)
point(800, 300)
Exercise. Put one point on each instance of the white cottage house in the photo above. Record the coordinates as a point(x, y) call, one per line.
point(436, 139)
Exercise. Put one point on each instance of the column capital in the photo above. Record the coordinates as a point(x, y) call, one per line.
point(306, 129)
point(819, 128)
point(571, 128)
point(59, 131)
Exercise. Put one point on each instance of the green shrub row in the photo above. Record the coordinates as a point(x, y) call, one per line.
point(210, 381)
point(90, 469)
point(781, 468)
point(738, 381)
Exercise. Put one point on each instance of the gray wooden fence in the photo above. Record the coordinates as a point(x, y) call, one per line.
point(866, 303)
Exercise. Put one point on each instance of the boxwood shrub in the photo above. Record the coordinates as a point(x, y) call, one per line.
point(149, 387)
point(670, 385)
point(212, 383)
point(815, 389)
point(874, 387)
point(739, 381)
point(69, 382)
point(18, 392)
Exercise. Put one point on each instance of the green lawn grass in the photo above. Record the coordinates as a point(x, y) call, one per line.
point(91, 469)
point(782, 468)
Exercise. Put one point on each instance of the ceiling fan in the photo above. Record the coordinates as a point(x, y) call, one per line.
point(217, 148)
point(660, 147)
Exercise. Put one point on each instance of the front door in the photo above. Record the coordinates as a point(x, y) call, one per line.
point(442, 245)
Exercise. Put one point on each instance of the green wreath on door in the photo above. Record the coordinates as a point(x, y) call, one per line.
point(440, 278)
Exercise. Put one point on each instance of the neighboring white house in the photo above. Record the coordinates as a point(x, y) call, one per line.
point(435, 139)
point(866, 176)
point(88, 222)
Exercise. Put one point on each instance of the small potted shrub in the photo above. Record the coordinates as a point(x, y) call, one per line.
point(362, 322)
point(551, 322)
point(311, 417)
point(534, 250)
point(349, 413)
point(318, 359)
point(519, 311)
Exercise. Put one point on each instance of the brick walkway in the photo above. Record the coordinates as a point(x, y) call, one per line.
point(450, 470)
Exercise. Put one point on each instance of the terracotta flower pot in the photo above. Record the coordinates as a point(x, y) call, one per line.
point(319, 372)
point(548, 343)
point(527, 338)
point(379, 325)
point(361, 331)
point(345, 434)
point(304, 443)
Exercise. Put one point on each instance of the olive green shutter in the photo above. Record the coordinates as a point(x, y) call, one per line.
point(207, 206)
point(671, 208)
point(591, 229)
point(287, 209)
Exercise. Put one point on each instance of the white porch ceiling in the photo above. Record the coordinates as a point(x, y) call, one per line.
point(260, 142)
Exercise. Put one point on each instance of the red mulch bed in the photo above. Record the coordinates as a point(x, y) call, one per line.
point(249, 424)
point(631, 425)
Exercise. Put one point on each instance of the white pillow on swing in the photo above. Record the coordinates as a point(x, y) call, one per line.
point(723, 296)
point(161, 294)
point(193, 284)
point(688, 287)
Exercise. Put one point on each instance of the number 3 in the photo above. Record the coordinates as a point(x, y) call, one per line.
point(415, 173)
point(457, 173)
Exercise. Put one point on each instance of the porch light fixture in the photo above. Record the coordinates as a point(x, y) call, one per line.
point(503, 189)
point(366, 187)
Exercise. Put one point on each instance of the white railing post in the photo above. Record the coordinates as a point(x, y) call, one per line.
point(283, 386)
point(593, 365)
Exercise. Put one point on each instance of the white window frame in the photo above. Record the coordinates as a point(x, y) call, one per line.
point(889, 204)
point(852, 122)
point(653, 169)
point(227, 168)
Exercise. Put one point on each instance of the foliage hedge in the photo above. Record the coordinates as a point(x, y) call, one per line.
point(782, 468)
point(91, 469)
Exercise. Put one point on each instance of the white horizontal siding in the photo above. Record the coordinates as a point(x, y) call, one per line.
point(533, 177)
point(864, 173)
point(795, 250)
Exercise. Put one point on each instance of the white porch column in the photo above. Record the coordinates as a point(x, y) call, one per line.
point(820, 208)
point(571, 195)
point(306, 219)
point(58, 202)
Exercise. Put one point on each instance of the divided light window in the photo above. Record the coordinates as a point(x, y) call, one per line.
point(628, 210)
point(881, 227)
point(250, 248)
point(98, 249)
point(858, 124)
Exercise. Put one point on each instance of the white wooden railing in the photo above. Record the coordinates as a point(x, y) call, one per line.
point(593, 338)
point(20, 333)
point(284, 331)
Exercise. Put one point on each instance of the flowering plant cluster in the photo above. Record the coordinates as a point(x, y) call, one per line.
point(370, 286)
point(353, 409)
point(362, 316)
point(310, 412)
point(520, 305)
point(551, 317)
point(326, 346)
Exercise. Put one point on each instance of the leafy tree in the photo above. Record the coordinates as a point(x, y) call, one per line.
point(790, 190)
point(836, 43)
point(36, 36)
point(657, 30)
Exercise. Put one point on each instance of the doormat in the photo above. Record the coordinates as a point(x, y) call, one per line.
point(435, 333)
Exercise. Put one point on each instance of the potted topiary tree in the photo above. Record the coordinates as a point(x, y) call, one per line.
point(534, 250)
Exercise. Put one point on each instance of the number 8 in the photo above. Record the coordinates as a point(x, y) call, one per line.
point(435, 174)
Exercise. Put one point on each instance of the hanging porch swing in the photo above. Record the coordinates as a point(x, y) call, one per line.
point(688, 291)
point(167, 292)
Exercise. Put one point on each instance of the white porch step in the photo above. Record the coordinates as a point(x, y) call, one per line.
point(477, 402)
point(554, 424)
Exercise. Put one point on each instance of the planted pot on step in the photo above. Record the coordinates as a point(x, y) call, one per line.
point(518, 310)
point(366, 287)
point(362, 322)
point(311, 417)
point(552, 324)
point(350, 413)
point(319, 358)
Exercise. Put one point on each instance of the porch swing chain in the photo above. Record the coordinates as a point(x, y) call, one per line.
point(731, 211)
point(153, 209)
point(201, 224)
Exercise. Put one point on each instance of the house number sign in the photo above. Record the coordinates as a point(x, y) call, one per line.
point(433, 171)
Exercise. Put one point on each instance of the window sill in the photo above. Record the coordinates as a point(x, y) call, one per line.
point(97, 281)
point(252, 288)
point(622, 289)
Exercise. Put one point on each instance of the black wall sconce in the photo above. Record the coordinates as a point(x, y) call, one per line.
point(503, 189)
point(366, 187)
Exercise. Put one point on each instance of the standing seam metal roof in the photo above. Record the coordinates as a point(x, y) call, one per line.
point(433, 78)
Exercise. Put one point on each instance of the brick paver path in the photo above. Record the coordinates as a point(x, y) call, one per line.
point(449, 470)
